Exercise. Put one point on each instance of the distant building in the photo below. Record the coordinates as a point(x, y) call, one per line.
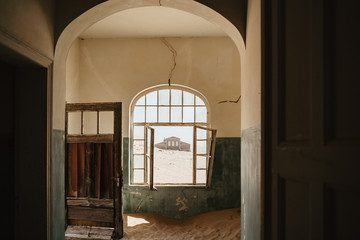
point(173, 143)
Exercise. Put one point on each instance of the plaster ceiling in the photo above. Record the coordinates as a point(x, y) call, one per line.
point(148, 22)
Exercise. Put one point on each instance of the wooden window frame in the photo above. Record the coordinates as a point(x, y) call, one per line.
point(149, 127)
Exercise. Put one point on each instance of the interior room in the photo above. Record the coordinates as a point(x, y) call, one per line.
point(134, 52)
point(101, 99)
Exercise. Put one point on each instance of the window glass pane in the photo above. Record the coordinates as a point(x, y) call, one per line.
point(198, 101)
point(188, 98)
point(138, 176)
point(151, 114)
point(164, 96)
point(148, 141)
point(201, 133)
point(164, 114)
point(173, 163)
point(74, 123)
point(151, 98)
point(139, 114)
point(176, 114)
point(201, 147)
point(141, 101)
point(201, 162)
point(90, 122)
point(201, 176)
point(138, 161)
point(176, 97)
point(138, 147)
point(189, 114)
point(138, 132)
point(201, 114)
point(106, 122)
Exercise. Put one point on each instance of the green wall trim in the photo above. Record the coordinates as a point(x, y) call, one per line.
point(57, 181)
point(250, 183)
point(186, 201)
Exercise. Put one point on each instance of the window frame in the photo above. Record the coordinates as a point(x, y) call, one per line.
point(149, 125)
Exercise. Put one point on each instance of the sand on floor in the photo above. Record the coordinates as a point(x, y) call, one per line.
point(224, 224)
point(217, 225)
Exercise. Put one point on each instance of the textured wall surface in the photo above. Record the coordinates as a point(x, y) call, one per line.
point(250, 183)
point(182, 202)
point(58, 184)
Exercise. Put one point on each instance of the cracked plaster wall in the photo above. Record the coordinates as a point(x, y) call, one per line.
point(117, 69)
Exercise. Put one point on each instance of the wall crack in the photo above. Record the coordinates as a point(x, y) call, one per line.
point(231, 101)
point(174, 53)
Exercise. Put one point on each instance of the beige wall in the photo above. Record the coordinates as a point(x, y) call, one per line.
point(73, 72)
point(117, 69)
point(30, 22)
point(251, 78)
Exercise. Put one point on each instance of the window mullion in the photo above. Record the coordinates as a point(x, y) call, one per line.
point(194, 154)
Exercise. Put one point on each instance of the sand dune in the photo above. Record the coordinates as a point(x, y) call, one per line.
point(224, 224)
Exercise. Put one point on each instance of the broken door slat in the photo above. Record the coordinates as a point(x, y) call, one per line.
point(72, 170)
point(97, 169)
point(81, 170)
point(91, 213)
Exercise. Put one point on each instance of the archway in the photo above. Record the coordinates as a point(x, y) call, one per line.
point(92, 16)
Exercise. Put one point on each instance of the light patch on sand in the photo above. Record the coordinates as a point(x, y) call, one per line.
point(133, 221)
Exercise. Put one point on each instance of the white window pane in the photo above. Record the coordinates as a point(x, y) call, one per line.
point(201, 176)
point(176, 114)
point(106, 122)
point(201, 147)
point(138, 147)
point(198, 101)
point(164, 114)
point(151, 98)
point(138, 176)
point(90, 122)
point(201, 114)
point(138, 161)
point(164, 96)
point(74, 123)
point(151, 114)
point(188, 98)
point(139, 114)
point(189, 114)
point(176, 97)
point(201, 133)
point(141, 101)
point(200, 162)
point(138, 132)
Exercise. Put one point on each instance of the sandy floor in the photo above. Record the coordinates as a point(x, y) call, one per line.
point(218, 225)
point(223, 224)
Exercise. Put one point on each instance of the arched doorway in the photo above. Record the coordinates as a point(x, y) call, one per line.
point(92, 16)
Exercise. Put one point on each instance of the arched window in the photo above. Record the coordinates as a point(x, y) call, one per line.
point(178, 148)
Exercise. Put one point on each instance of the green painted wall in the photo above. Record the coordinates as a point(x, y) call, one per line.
point(182, 202)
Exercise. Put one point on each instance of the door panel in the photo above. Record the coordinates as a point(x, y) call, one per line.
point(312, 130)
point(94, 166)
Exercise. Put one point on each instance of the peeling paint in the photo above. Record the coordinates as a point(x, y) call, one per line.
point(135, 193)
point(182, 202)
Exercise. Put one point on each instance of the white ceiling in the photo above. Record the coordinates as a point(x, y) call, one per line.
point(147, 22)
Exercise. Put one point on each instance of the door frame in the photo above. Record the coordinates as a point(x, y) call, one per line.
point(116, 107)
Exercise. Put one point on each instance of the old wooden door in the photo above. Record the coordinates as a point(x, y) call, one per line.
point(94, 165)
point(312, 128)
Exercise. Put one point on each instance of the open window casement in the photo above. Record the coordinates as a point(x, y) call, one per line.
point(149, 156)
point(204, 149)
point(203, 156)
